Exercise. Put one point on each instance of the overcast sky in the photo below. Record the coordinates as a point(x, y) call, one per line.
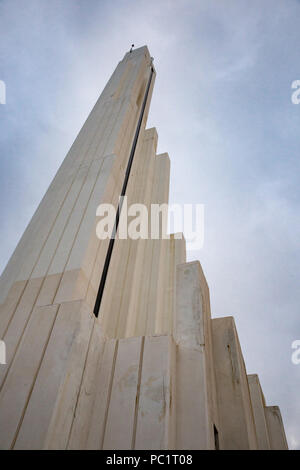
point(222, 108)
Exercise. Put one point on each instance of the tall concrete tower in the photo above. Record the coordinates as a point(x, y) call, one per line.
point(110, 343)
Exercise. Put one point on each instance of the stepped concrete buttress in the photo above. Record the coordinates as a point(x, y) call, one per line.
point(153, 370)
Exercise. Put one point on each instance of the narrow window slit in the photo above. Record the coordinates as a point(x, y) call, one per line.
point(123, 192)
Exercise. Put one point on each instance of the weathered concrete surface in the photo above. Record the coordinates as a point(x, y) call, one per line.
point(155, 427)
point(196, 413)
point(276, 429)
point(258, 405)
point(235, 410)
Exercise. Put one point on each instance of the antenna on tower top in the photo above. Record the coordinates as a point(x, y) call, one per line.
point(132, 46)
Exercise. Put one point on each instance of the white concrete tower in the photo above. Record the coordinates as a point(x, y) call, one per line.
point(110, 344)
